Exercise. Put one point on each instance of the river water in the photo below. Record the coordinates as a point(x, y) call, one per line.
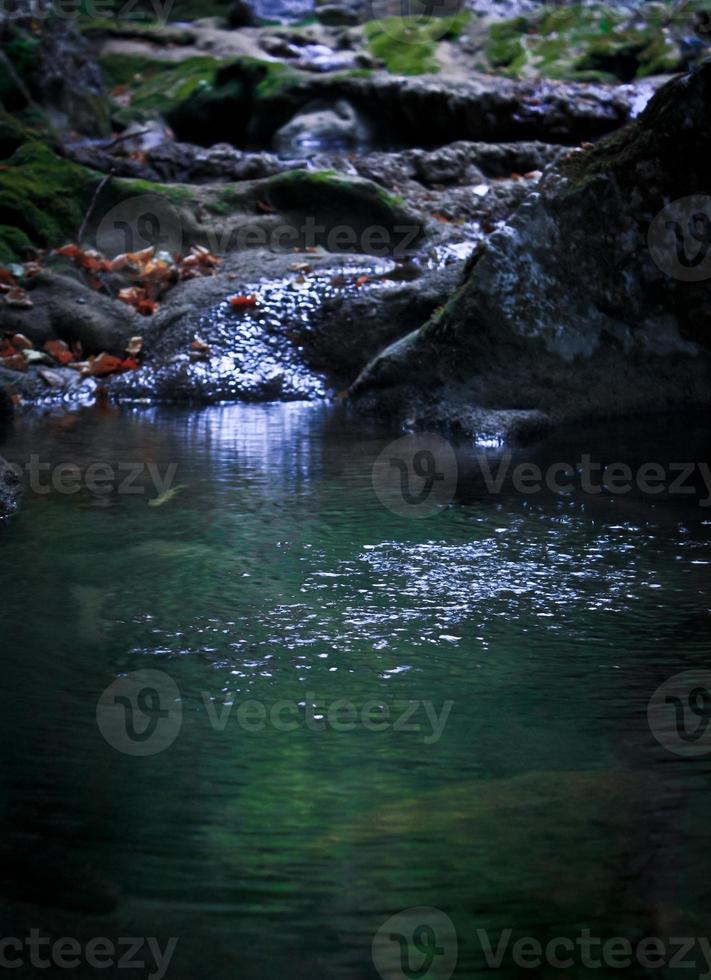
point(525, 633)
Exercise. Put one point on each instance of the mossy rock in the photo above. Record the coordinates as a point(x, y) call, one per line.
point(577, 43)
point(12, 134)
point(43, 197)
point(408, 45)
point(189, 96)
point(371, 220)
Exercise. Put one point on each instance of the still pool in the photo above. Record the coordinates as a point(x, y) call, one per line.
point(351, 712)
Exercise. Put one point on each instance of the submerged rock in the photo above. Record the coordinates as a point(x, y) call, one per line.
point(593, 302)
point(323, 128)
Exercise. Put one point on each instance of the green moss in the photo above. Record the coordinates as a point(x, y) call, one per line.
point(408, 45)
point(505, 42)
point(334, 201)
point(159, 87)
point(191, 96)
point(581, 43)
point(12, 134)
point(14, 244)
point(43, 195)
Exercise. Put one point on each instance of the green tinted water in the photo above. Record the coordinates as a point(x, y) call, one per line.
point(533, 628)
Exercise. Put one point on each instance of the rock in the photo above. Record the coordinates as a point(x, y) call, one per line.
point(435, 109)
point(68, 309)
point(318, 319)
point(323, 127)
point(570, 311)
point(338, 15)
point(51, 65)
point(240, 15)
point(9, 489)
point(345, 214)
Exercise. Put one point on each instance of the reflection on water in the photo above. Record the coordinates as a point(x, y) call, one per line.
point(544, 804)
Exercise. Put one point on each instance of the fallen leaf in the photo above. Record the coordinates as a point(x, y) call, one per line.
point(59, 351)
point(16, 296)
point(200, 346)
point(20, 342)
point(164, 498)
point(243, 302)
point(106, 364)
point(361, 281)
point(135, 346)
point(15, 362)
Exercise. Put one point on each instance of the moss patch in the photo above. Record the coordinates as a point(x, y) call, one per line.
point(598, 43)
point(368, 218)
point(408, 45)
point(43, 198)
point(200, 106)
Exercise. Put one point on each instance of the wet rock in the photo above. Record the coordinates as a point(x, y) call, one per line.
point(324, 127)
point(571, 311)
point(316, 321)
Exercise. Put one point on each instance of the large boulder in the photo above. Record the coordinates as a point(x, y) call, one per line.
point(593, 302)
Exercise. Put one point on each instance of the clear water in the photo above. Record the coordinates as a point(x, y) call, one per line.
point(276, 574)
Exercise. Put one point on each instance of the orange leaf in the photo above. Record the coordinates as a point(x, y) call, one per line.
point(15, 362)
point(59, 351)
point(243, 302)
point(103, 365)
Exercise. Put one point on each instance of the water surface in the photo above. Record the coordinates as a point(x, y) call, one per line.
point(546, 622)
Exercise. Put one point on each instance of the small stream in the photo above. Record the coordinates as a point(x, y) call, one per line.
point(276, 574)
